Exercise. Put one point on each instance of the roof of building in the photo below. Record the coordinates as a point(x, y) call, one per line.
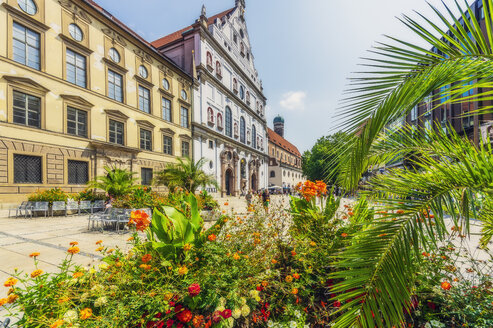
point(115, 20)
point(178, 34)
point(278, 118)
point(283, 143)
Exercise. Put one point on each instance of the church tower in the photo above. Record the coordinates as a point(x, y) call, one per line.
point(279, 125)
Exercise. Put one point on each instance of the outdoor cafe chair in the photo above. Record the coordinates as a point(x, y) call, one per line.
point(40, 207)
point(71, 206)
point(111, 219)
point(85, 205)
point(96, 218)
point(58, 206)
point(24, 206)
point(123, 218)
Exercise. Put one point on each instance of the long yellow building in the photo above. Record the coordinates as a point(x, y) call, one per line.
point(78, 91)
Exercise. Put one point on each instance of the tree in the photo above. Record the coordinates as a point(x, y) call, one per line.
point(449, 177)
point(318, 163)
point(116, 182)
point(186, 174)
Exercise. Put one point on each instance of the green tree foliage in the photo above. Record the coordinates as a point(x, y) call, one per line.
point(185, 174)
point(319, 162)
point(117, 182)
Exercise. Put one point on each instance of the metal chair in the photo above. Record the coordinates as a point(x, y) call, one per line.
point(123, 218)
point(85, 205)
point(71, 206)
point(111, 219)
point(40, 207)
point(98, 217)
point(20, 208)
point(58, 206)
point(98, 205)
point(5, 324)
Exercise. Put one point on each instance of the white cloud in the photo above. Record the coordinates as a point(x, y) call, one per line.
point(293, 100)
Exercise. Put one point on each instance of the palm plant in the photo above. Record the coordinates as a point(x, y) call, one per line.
point(116, 182)
point(185, 174)
point(449, 173)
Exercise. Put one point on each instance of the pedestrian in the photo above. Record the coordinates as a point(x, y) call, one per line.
point(266, 200)
point(248, 198)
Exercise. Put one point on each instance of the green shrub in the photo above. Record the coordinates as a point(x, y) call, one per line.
point(51, 195)
point(89, 195)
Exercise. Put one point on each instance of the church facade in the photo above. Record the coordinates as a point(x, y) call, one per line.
point(229, 128)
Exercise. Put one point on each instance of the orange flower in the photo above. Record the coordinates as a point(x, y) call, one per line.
point(146, 258)
point(140, 219)
point(10, 282)
point(400, 212)
point(425, 254)
point(99, 242)
point(63, 300)
point(145, 266)
point(296, 276)
point(265, 283)
point(74, 243)
point(85, 314)
point(273, 261)
point(73, 250)
point(182, 270)
point(236, 256)
point(78, 274)
point(3, 301)
point(187, 247)
point(293, 253)
point(35, 254)
point(344, 235)
point(36, 273)
point(57, 323)
point(130, 239)
point(382, 235)
point(289, 279)
point(212, 237)
point(350, 213)
point(313, 244)
point(446, 285)
point(111, 250)
point(197, 321)
point(12, 298)
point(294, 291)
point(99, 249)
point(228, 236)
point(226, 204)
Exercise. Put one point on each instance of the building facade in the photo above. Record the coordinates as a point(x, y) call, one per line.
point(284, 158)
point(229, 127)
point(80, 91)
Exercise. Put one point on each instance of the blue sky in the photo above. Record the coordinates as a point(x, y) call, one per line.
point(304, 49)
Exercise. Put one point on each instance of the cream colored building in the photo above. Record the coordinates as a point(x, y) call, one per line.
point(79, 91)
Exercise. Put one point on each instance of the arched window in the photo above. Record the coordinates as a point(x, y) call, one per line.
point(272, 174)
point(210, 115)
point(235, 85)
point(218, 68)
point(242, 130)
point(219, 121)
point(229, 122)
point(254, 137)
point(209, 59)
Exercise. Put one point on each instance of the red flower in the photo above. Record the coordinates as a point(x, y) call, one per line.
point(169, 323)
point(194, 290)
point(216, 316)
point(446, 285)
point(184, 316)
point(212, 237)
point(226, 314)
point(337, 304)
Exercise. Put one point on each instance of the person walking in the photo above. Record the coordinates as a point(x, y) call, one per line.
point(248, 198)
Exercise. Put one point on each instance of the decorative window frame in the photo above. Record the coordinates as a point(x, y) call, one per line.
point(83, 51)
point(110, 65)
point(79, 159)
point(39, 16)
point(79, 103)
point(27, 86)
point(149, 87)
point(10, 168)
point(171, 134)
point(146, 125)
point(116, 115)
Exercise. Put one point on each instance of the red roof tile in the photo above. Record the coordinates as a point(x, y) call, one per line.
point(283, 143)
point(178, 34)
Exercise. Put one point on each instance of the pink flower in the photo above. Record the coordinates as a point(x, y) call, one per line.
point(226, 314)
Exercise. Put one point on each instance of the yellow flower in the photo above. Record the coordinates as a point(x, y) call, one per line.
point(10, 282)
point(289, 279)
point(168, 296)
point(236, 256)
point(57, 323)
point(99, 249)
point(35, 254)
point(294, 291)
point(11, 298)
point(183, 270)
point(145, 266)
point(85, 314)
point(3, 301)
point(36, 273)
point(313, 244)
point(111, 250)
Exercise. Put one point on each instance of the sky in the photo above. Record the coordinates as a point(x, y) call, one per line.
point(305, 50)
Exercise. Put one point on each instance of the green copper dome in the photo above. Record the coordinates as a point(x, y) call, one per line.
point(278, 119)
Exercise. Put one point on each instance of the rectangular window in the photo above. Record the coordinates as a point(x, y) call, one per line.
point(168, 145)
point(76, 122)
point(26, 46)
point(146, 176)
point(211, 144)
point(116, 132)
point(184, 117)
point(414, 113)
point(115, 86)
point(27, 109)
point(145, 139)
point(78, 172)
point(27, 169)
point(185, 149)
point(144, 99)
point(166, 107)
point(76, 68)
